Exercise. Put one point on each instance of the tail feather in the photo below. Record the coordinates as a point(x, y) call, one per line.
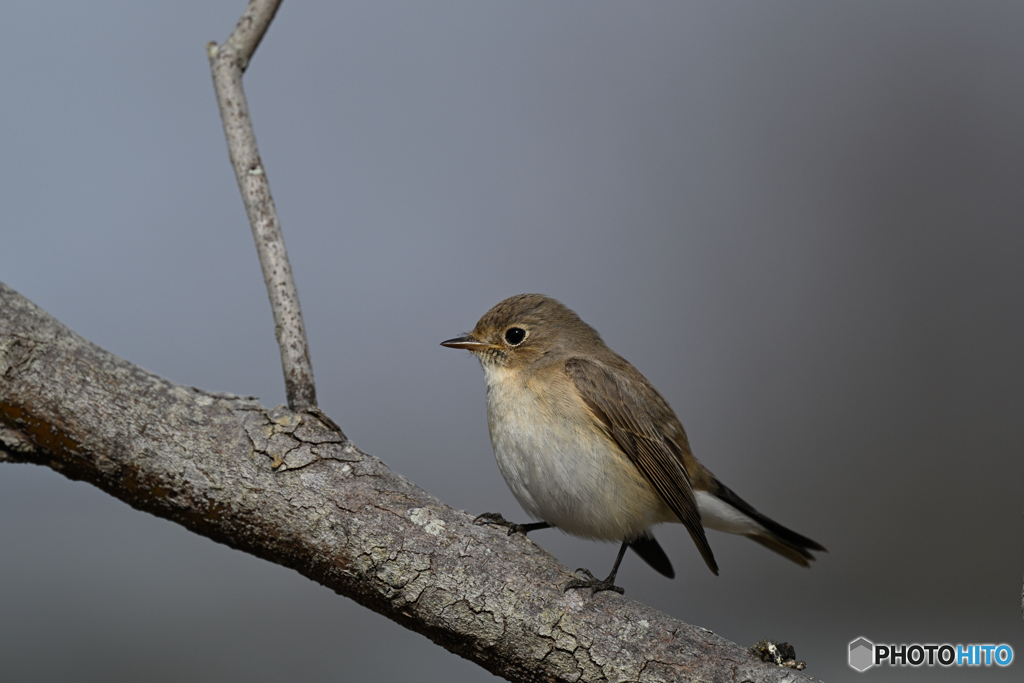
point(650, 552)
point(766, 531)
point(797, 554)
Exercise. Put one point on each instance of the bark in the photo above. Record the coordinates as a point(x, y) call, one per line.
point(331, 512)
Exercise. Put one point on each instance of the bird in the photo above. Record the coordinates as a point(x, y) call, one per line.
point(587, 445)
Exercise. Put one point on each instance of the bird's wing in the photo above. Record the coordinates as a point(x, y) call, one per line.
point(626, 414)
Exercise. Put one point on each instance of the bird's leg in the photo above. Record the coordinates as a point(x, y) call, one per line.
point(495, 519)
point(596, 585)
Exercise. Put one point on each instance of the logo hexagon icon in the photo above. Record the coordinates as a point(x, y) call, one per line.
point(862, 653)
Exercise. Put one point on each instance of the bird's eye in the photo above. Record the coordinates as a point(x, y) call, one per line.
point(515, 335)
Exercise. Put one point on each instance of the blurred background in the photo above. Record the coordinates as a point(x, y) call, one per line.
point(803, 222)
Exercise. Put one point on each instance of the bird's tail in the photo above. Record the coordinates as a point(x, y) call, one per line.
point(650, 552)
point(723, 510)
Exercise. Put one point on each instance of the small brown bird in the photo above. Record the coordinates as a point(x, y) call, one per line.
point(589, 446)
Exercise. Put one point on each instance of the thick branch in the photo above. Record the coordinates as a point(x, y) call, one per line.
point(331, 512)
point(227, 63)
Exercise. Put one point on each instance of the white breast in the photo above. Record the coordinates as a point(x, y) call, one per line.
point(561, 467)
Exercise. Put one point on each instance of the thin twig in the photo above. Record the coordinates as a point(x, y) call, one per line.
point(227, 63)
point(254, 22)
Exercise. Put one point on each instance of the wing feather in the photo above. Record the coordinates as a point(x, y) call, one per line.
point(627, 416)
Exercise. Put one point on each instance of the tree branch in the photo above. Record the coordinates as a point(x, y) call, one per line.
point(332, 513)
point(287, 486)
point(249, 30)
point(227, 63)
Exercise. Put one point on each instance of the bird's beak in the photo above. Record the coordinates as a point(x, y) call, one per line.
point(466, 342)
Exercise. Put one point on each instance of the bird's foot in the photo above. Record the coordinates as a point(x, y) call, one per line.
point(594, 584)
point(495, 519)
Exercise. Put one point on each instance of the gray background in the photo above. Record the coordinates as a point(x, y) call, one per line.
point(802, 222)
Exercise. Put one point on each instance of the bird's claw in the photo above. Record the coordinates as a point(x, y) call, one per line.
point(594, 584)
point(495, 519)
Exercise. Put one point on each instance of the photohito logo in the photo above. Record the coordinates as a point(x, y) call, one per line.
point(864, 654)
